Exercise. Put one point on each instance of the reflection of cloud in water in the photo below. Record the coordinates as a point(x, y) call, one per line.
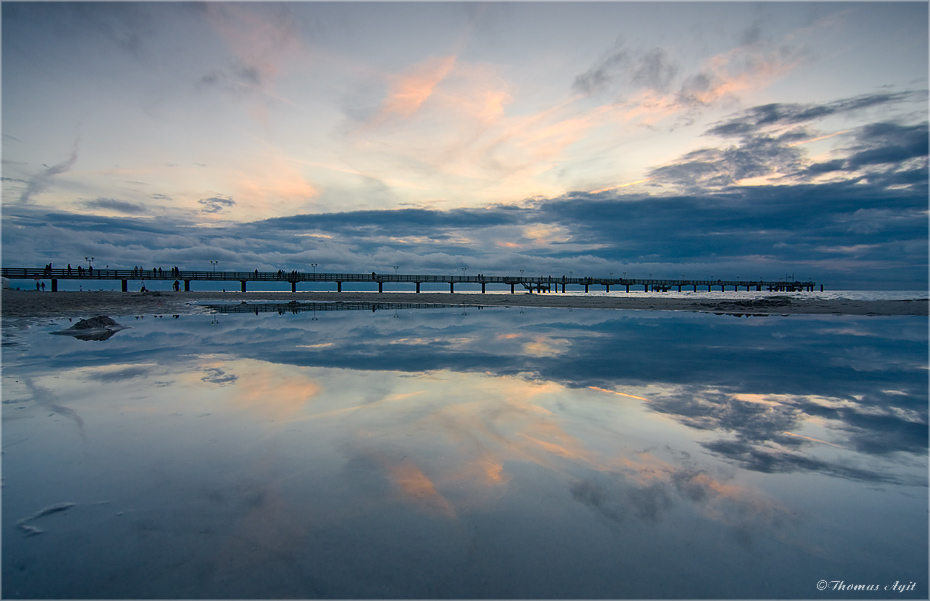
point(867, 359)
point(767, 429)
point(533, 345)
point(456, 449)
point(268, 533)
point(46, 399)
point(650, 488)
point(274, 390)
point(119, 372)
point(546, 346)
point(416, 486)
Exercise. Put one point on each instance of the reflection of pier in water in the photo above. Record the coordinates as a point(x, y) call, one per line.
point(306, 307)
point(544, 283)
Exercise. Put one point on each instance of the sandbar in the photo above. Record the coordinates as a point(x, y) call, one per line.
point(28, 303)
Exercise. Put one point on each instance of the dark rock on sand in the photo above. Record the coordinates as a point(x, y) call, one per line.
point(95, 328)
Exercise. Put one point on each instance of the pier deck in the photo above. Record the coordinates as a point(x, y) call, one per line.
point(539, 284)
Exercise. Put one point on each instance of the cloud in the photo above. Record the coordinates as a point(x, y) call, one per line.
point(767, 116)
point(111, 204)
point(216, 204)
point(43, 180)
point(651, 69)
point(218, 376)
point(770, 145)
point(889, 143)
point(261, 38)
point(719, 168)
point(239, 78)
point(650, 82)
point(609, 67)
point(408, 91)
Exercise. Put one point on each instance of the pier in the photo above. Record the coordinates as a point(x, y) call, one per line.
point(532, 284)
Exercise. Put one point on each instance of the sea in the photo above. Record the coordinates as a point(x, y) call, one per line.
point(386, 451)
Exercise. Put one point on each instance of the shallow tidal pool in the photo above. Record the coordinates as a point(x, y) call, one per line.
point(466, 453)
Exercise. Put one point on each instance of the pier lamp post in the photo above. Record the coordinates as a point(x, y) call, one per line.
point(521, 275)
point(214, 266)
point(90, 261)
point(395, 270)
point(313, 265)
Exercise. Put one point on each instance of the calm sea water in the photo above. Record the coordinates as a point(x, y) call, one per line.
point(467, 453)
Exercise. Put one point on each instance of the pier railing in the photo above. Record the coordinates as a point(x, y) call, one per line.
point(542, 283)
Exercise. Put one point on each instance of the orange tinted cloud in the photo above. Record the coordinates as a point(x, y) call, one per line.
point(410, 90)
point(626, 185)
point(826, 137)
point(812, 439)
point(632, 396)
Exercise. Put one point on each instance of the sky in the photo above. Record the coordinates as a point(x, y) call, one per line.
point(762, 140)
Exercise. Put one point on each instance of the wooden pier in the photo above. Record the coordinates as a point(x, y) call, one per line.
point(532, 284)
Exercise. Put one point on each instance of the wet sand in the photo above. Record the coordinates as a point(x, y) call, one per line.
point(19, 303)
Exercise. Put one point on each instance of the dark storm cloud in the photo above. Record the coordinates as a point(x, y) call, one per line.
point(216, 204)
point(112, 204)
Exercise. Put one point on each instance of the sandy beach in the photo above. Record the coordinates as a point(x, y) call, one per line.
point(17, 303)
